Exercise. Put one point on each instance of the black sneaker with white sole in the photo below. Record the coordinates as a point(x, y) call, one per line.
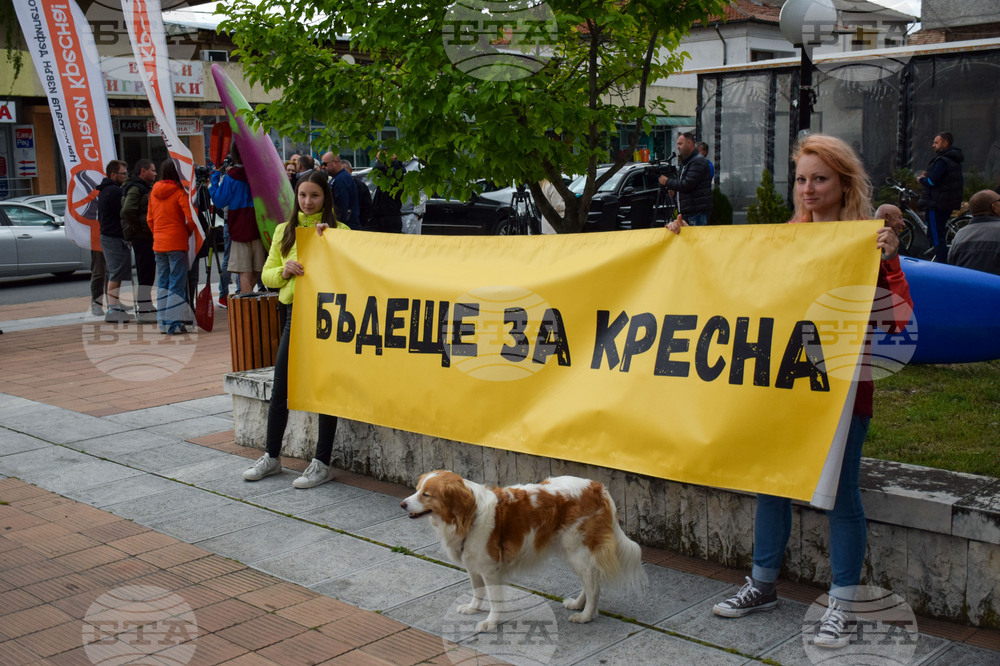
point(835, 627)
point(748, 600)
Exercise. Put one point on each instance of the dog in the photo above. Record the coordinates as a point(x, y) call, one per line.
point(493, 531)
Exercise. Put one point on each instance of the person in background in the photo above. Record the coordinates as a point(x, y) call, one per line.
point(232, 192)
point(692, 185)
point(977, 244)
point(136, 231)
point(703, 149)
point(943, 185)
point(387, 208)
point(313, 208)
point(169, 218)
point(893, 217)
point(117, 253)
point(364, 198)
point(292, 169)
point(830, 185)
point(345, 192)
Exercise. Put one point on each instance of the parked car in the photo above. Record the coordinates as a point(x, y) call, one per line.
point(52, 203)
point(494, 211)
point(631, 199)
point(34, 242)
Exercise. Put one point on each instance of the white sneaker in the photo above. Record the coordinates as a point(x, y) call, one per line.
point(316, 474)
point(265, 466)
point(836, 626)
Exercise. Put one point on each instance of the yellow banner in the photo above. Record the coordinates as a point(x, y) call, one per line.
point(722, 356)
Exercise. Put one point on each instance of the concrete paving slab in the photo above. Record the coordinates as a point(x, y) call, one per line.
point(216, 405)
point(61, 426)
point(958, 654)
point(435, 612)
point(34, 466)
point(14, 442)
point(669, 592)
point(655, 647)
point(357, 514)
point(168, 456)
point(152, 416)
point(196, 525)
point(118, 444)
point(233, 484)
point(12, 405)
point(752, 635)
point(390, 583)
point(319, 562)
point(213, 468)
point(796, 652)
point(552, 575)
point(132, 489)
point(544, 635)
point(178, 501)
point(267, 540)
point(74, 478)
point(294, 501)
point(195, 427)
point(403, 532)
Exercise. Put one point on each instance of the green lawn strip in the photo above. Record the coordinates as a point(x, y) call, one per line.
point(944, 416)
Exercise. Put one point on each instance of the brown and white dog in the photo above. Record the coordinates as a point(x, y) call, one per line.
point(492, 531)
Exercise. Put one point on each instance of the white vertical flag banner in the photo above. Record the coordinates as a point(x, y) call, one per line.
point(63, 51)
point(144, 20)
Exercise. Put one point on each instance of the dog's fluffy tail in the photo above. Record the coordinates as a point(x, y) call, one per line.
point(620, 559)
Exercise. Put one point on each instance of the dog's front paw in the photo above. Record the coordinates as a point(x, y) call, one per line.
point(489, 624)
point(574, 604)
point(581, 618)
point(469, 609)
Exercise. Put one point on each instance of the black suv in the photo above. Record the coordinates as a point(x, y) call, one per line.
point(630, 199)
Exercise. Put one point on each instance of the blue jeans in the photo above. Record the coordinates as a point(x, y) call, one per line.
point(697, 219)
point(848, 528)
point(937, 226)
point(171, 291)
point(224, 277)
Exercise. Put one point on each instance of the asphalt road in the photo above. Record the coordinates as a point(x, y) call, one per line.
point(43, 288)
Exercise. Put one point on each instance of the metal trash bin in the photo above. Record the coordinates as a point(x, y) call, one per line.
point(253, 330)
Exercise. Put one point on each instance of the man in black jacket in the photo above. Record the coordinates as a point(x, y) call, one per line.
point(977, 245)
point(136, 231)
point(117, 253)
point(693, 185)
point(942, 194)
point(387, 207)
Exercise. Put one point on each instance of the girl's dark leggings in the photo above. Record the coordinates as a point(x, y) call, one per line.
point(277, 411)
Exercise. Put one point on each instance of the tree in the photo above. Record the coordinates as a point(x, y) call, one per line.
point(770, 207)
point(591, 57)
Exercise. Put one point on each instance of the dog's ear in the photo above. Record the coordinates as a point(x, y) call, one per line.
point(462, 503)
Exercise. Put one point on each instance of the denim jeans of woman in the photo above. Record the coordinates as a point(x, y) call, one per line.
point(277, 410)
point(172, 310)
point(848, 529)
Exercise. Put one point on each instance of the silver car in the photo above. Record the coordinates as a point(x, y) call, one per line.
point(51, 203)
point(33, 242)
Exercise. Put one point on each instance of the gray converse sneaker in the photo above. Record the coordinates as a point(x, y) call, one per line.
point(748, 600)
point(317, 473)
point(835, 627)
point(265, 466)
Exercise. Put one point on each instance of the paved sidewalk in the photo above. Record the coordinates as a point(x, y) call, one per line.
point(124, 500)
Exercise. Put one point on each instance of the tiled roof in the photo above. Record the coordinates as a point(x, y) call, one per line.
point(748, 10)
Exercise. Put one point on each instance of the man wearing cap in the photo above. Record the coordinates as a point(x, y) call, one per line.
point(977, 245)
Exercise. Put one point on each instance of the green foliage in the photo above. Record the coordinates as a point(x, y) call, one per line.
point(974, 182)
point(941, 416)
point(560, 119)
point(722, 209)
point(770, 207)
point(12, 37)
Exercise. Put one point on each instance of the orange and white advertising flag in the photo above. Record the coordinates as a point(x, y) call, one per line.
point(63, 51)
point(144, 20)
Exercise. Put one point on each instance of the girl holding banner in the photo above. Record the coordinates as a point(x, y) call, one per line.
point(313, 208)
point(830, 185)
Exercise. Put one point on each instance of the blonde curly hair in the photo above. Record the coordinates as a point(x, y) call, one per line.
point(836, 154)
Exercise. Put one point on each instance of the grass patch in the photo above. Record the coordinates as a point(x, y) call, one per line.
point(944, 416)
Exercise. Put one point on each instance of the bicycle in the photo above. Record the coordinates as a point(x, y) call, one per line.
point(915, 239)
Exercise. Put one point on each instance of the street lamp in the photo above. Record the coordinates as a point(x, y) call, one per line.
point(807, 24)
